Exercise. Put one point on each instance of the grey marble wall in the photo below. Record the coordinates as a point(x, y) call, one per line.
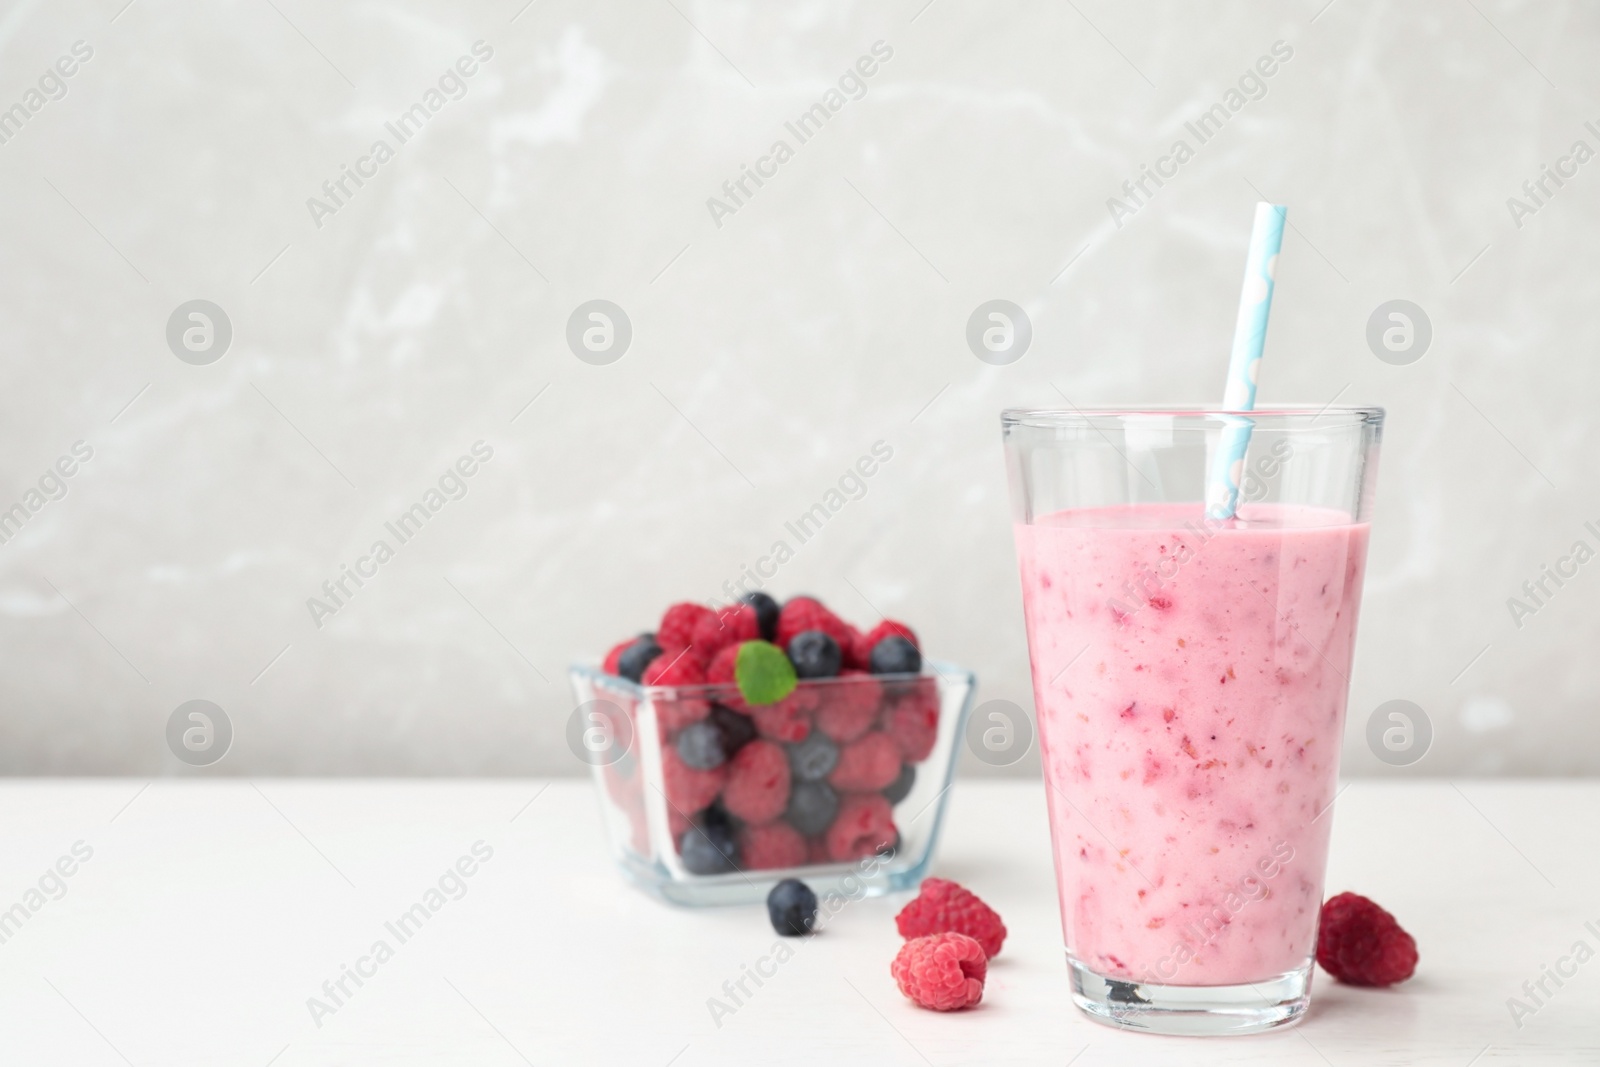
point(548, 154)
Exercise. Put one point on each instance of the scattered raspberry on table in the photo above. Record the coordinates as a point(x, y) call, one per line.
point(1361, 944)
point(945, 907)
point(944, 972)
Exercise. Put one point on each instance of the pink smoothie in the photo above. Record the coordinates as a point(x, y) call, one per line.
point(1191, 748)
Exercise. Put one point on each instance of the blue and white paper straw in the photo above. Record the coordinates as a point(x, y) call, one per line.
point(1249, 337)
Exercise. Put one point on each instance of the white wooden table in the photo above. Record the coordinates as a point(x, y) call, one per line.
point(210, 911)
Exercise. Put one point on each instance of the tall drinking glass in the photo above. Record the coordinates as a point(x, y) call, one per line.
point(1190, 676)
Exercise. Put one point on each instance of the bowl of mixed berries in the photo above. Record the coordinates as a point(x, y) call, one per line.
point(737, 746)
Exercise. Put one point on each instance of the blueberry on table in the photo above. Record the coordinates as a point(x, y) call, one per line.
point(898, 789)
point(709, 849)
point(632, 663)
point(893, 655)
point(766, 613)
point(700, 746)
point(815, 655)
point(812, 807)
point(813, 759)
point(792, 907)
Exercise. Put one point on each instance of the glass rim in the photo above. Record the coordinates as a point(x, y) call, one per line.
point(941, 672)
point(1056, 416)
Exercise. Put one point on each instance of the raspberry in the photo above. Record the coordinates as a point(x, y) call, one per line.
point(861, 651)
point(614, 657)
point(1361, 944)
point(670, 671)
point(720, 671)
point(758, 783)
point(676, 631)
point(719, 629)
point(944, 972)
point(804, 613)
point(675, 713)
point(688, 790)
point(790, 718)
point(944, 907)
point(674, 670)
point(849, 707)
point(767, 848)
point(865, 824)
point(867, 765)
point(912, 718)
point(849, 648)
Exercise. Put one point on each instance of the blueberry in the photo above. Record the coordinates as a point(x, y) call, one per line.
point(766, 613)
point(813, 759)
point(812, 807)
point(717, 817)
point(709, 848)
point(815, 655)
point(637, 656)
point(737, 730)
point(895, 655)
point(792, 907)
point(700, 745)
point(898, 789)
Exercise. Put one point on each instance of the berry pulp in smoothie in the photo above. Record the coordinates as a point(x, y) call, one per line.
point(1190, 677)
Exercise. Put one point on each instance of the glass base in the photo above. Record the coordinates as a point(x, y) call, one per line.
point(1191, 1011)
point(870, 877)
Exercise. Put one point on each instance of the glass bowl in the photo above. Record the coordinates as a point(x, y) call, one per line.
point(882, 836)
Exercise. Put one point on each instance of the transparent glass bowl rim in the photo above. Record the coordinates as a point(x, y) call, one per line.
point(1293, 414)
point(939, 670)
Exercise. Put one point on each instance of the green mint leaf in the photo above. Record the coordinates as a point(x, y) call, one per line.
point(764, 673)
